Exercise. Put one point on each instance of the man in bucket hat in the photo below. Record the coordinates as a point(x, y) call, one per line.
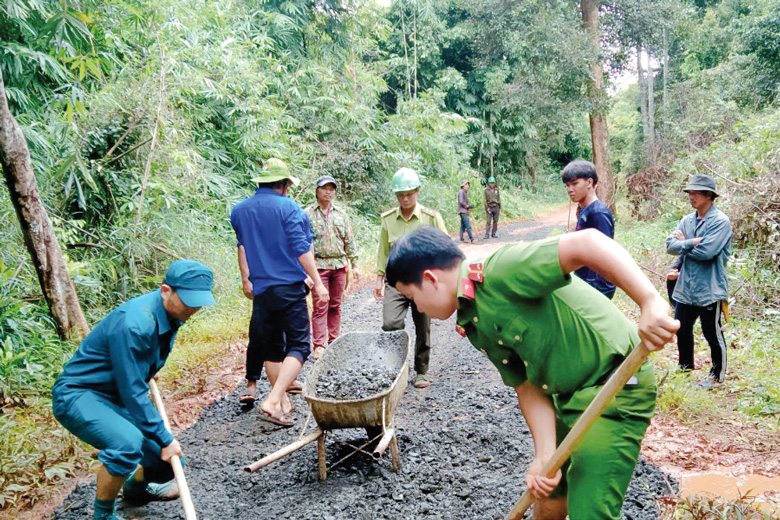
point(335, 251)
point(101, 396)
point(275, 256)
point(464, 209)
point(703, 240)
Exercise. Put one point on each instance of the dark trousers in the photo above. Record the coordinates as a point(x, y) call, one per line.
point(465, 225)
point(492, 213)
point(394, 312)
point(279, 327)
point(710, 326)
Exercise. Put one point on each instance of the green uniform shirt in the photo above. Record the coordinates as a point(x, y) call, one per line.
point(394, 227)
point(334, 244)
point(492, 198)
point(538, 324)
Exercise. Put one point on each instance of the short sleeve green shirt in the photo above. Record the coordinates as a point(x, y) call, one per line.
point(536, 323)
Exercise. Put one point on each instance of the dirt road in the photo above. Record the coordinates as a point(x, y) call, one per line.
point(464, 445)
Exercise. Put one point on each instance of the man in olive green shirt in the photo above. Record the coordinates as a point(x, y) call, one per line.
point(492, 206)
point(408, 216)
point(556, 343)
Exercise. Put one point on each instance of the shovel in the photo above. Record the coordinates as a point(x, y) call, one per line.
point(178, 470)
point(614, 384)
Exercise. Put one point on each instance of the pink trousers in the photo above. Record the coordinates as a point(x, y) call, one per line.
point(326, 316)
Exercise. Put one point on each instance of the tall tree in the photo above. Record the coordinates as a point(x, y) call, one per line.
point(599, 134)
point(39, 237)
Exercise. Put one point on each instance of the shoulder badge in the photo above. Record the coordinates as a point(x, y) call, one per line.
point(460, 330)
point(388, 212)
point(467, 288)
point(428, 211)
point(475, 273)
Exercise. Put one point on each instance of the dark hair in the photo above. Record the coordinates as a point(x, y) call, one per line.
point(580, 169)
point(423, 248)
point(273, 185)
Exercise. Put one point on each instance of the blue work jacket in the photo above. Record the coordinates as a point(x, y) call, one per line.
point(119, 358)
point(702, 278)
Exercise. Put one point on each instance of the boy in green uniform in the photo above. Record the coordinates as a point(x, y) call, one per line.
point(556, 343)
point(406, 217)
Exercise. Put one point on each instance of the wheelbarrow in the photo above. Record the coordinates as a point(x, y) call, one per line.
point(375, 413)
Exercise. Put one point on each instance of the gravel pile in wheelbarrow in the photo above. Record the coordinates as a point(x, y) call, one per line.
point(464, 451)
point(354, 383)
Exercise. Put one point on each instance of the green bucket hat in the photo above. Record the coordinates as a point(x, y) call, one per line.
point(491, 180)
point(701, 182)
point(275, 170)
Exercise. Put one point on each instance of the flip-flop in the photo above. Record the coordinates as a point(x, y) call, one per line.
point(284, 420)
point(296, 387)
point(247, 397)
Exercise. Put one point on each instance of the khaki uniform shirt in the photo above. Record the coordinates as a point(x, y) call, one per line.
point(394, 227)
point(334, 244)
point(492, 197)
point(538, 324)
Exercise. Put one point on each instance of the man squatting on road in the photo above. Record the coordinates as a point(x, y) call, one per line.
point(274, 256)
point(102, 395)
point(556, 343)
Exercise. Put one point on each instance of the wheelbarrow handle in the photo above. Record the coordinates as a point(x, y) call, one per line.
point(614, 384)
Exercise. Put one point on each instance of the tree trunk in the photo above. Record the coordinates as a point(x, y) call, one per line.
point(37, 229)
point(597, 95)
point(642, 84)
point(650, 113)
point(666, 64)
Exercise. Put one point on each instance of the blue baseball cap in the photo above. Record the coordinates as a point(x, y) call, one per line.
point(192, 281)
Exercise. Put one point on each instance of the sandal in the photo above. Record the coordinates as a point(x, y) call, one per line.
point(285, 420)
point(247, 397)
point(296, 387)
point(318, 352)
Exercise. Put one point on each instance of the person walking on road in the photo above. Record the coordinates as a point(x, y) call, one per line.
point(335, 252)
point(580, 178)
point(492, 205)
point(556, 342)
point(464, 210)
point(406, 217)
point(703, 240)
point(274, 257)
point(102, 395)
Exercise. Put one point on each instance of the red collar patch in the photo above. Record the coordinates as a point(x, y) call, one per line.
point(475, 272)
point(467, 288)
point(460, 330)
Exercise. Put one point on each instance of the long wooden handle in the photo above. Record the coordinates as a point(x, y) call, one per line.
point(178, 470)
point(614, 384)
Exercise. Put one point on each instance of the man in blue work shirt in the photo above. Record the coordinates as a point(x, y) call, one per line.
point(101, 396)
point(580, 178)
point(703, 240)
point(274, 256)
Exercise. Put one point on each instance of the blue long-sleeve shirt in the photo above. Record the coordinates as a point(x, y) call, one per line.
point(119, 357)
point(702, 278)
point(274, 231)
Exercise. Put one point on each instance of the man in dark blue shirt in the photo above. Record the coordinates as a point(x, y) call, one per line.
point(101, 396)
point(275, 256)
point(580, 178)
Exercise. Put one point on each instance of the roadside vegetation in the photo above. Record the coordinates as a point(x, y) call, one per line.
point(146, 121)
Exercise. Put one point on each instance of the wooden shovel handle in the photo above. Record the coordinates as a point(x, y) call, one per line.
point(178, 469)
point(614, 384)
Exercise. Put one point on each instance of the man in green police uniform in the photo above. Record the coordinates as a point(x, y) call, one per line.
point(556, 343)
point(408, 216)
